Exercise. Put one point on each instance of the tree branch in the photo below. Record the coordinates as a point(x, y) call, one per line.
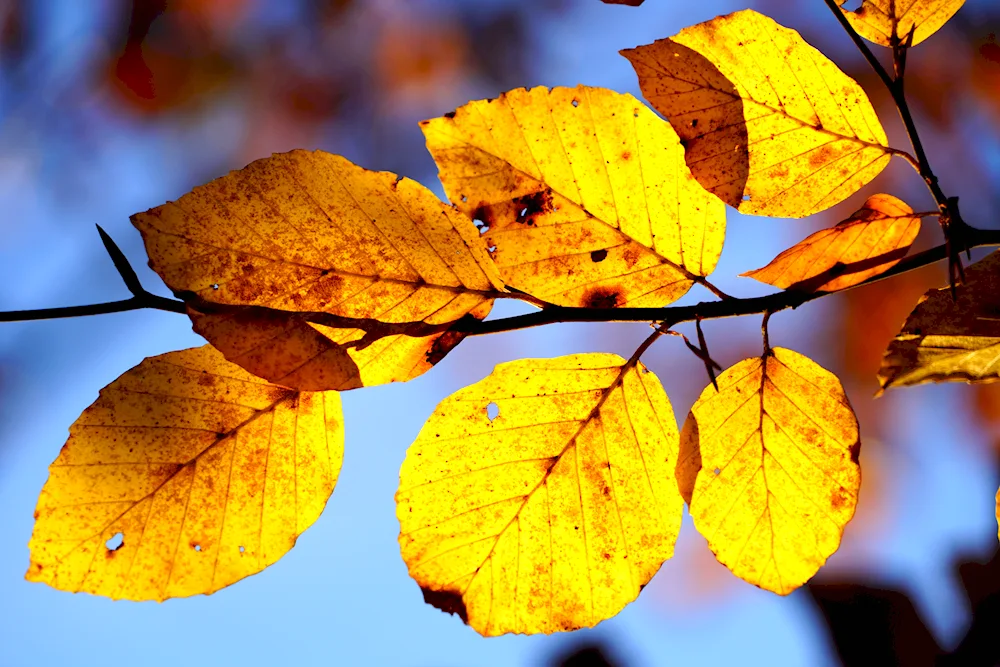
point(710, 310)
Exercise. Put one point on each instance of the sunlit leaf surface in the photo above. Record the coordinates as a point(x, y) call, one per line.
point(868, 243)
point(950, 340)
point(541, 498)
point(770, 124)
point(186, 475)
point(582, 193)
point(875, 20)
point(769, 465)
point(310, 232)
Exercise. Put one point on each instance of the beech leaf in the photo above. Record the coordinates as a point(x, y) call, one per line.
point(879, 21)
point(950, 340)
point(770, 124)
point(769, 466)
point(582, 193)
point(186, 475)
point(870, 242)
point(539, 499)
point(309, 233)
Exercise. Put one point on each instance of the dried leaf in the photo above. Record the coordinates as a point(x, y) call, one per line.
point(553, 514)
point(186, 475)
point(769, 465)
point(868, 243)
point(769, 123)
point(879, 20)
point(309, 232)
point(946, 340)
point(583, 194)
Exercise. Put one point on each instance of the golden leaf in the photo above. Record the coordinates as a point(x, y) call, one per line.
point(584, 195)
point(553, 514)
point(769, 465)
point(868, 243)
point(769, 123)
point(879, 21)
point(186, 475)
point(311, 233)
point(950, 340)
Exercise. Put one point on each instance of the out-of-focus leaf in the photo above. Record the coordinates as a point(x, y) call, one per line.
point(950, 340)
point(769, 123)
point(583, 194)
point(879, 21)
point(186, 475)
point(540, 498)
point(309, 232)
point(769, 466)
point(868, 243)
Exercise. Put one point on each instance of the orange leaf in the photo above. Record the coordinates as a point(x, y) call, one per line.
point(186, 475)
point(870, 242)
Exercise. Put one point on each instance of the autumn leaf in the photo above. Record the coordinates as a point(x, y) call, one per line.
point(868, 243)
point(879, 21)
point(583, 194)
point(769, 123)
point(950, 340)
point(309, 233)
point(186, 475)
point(539, 499)
point(769, 466)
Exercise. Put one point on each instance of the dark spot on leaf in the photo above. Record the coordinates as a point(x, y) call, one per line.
point(627, 155)
point(530, 206)
point(442, 345)
point(450, 114)
point(599, 255)
point(601, 297)
point(856, 451)
point(447, 601)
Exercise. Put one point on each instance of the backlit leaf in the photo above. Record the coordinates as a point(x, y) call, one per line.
point(310, 232)
point(540, 498)
point(950, 340)
point(583, 195)
point(769, 123)
point(769, 464)
point(186, 475)
point(868, 243)
point(875, 19)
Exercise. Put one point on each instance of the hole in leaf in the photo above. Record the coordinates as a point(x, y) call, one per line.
point(197, 547)
point(242, 549)
point(115, 542)
point(716, 471)
point(464, 199)
point(215, 286)
point(576, 102)
point(492, 411)
point(523, 213)
point(492, 249)
point(746, 197)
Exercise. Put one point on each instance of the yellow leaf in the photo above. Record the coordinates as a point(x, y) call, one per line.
point(769, 123)
point(770, 463)
point(876, 19)
point(584, 195)
point(551, 513)
point(309, 232)
point(868, 243)
point(950, 340)
point(186, 475)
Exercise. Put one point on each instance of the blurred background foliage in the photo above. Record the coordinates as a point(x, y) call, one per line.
point(114, 106)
